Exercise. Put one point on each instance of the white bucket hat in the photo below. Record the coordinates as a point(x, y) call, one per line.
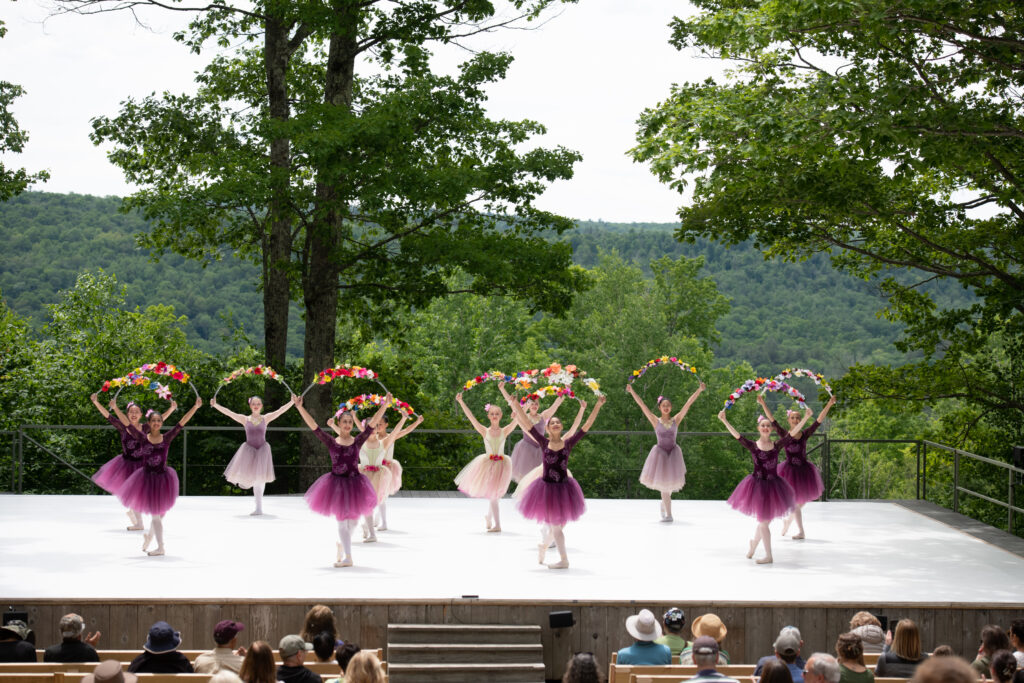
point(643, 626)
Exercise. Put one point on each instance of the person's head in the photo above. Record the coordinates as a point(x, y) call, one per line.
point(380, 429)
point(943, 651)
point(532, 405)
point(674, 620)
point(864, 619)
point(944, 670)
point(225, 676)
point(162, 638)
point(776, 671)
point(664, 406)
point(364, 667)
point(320, 617)
point(71, 627)
point(155, 420)
point(494, 414)
point(323, 646)
point(582, 667)
point(643, 626)
point(554, 426)
point(709, 625)
point(849, 648)
point(1016, 634)
point(134, 413)
point(109, 671)
point(764, 426)
point(1004, 666)
point(705, 652)
point(993, 639)
point(344, 654)
point(293, 649)
point(226, 632)
point(345, 424)
point(787, 644)
point(793, 417)
point(258, 665)
point(906, 640)
point(255, 405)
point(15, 629)
point(821, 668)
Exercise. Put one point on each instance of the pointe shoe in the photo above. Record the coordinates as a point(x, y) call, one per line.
point(667, 518)
point(799, 537)
point(136, 527)
point(157, 552)
point(753, 547)
point(561, 564)
point(382, 527)
point(146, 540)
point(767, 559)
point(494, 528)
point(256, 513)
point(347, 562)
point(785, 525)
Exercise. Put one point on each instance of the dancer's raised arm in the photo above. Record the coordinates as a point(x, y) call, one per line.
point(191, 411)
point(271, 416)
point(380, 412)
point(517, 410)
point(237, 417)
point(553, 408)
point(103, 411)
point(116, 410)
point(765, 408)
point(796, 430)
point(824, 411)
point(306, 417)
point(579, 419)
point(593, 413)
point(643, 406)
point(170, 409)
point(725, 421)
point(395, 433)
point(689, 402)
point(469, 415)
point(408, 430)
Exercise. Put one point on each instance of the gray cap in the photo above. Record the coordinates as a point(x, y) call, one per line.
point(289, 645)
point(71, 625)
point(788, 642)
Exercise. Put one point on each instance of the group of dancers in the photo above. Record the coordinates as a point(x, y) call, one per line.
point(364, 472)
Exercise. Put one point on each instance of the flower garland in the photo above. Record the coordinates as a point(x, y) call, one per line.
point(257, 370)
point(558, 374)
point(762, 384)
point(817, 377)
point(655, 362)
point(140, 377)
point(341, 371)
point(549, 390)
point(490, 376)
point(357, 403)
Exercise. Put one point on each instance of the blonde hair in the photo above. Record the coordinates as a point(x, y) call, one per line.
point(364, 667)
point(863, 619)
point(906, 640)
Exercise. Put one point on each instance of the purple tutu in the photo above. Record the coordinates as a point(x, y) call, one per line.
point(115, 472)
point(342, 497)
point(525, 456)
point(805, 478)
point(150, 491)
point(765, 499)
point(552, 502)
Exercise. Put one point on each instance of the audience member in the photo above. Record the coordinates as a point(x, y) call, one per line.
point(109, 671)
point(1016, 634)
point(14, 647)
point(343, 655)
point(993, 639)
point(319, 618)
point(869, 629)
point(903, 654)
point(943, 651)
point(775, 671)
point(364, 668)
point(787, 648)
point(293, 651)
point(583, 668)
point(944, 670)
point(324, 646)
point(73, 647)
point(258, 664)
point(1019, 676)
point(674, 621)
point(161, 654)
point(224, 654)
point(707, 625)
point(821, 668)
point(705, 656)
point(225, 676)
point(1004, 666)
point(645, 629)
point(850, 654)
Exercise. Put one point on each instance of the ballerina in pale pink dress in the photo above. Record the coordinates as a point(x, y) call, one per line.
point(488, 474)
point(253, 465)
point(388, 460)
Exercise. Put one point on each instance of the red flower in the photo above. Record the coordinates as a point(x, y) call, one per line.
point(259, 370)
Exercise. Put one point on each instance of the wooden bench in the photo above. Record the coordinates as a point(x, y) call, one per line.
point(126, 656)
point(76, 677)
point(620, 673)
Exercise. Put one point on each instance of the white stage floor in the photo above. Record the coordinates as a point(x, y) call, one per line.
point(437, 548)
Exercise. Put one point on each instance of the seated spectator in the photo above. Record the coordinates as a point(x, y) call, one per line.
point(583, 668)
point(324, 646)
point(1016, 634)
point(821, 668)
point(224, 655)
point(850, 654)
point(293, 651)
point(73, 647)
point(707, 625)
point(775, 671)
point(109, 671)
point(318, 619)
point(161, 654)
point(1004, 666)
point(705, 656)
point(343, 655)
point(645, 629)
point(944, 670)
point(902, 656)
point(787, 649)
point(993, 639)
point(674, 621)
point(869, 629)
point(14, 644)
point(258, 664)
point(943, 651)
point(364, 668)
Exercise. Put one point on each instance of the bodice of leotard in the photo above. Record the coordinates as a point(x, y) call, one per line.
point(666, 436)
point(765, 462)
point(371, 455)
point(555, 463)
point(255, 433)
point(494, 445)
point(154, 455)
point(131, 439)
point(344, 459)
point(542, 423)
point(796, 450)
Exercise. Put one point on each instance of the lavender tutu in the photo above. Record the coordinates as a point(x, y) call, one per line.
point(341, 497)
point(805, 478)
point(253, 462)
point(552, 502)
point(664, 470)
point(525, 457)
point(150, 491)
point(112, 476)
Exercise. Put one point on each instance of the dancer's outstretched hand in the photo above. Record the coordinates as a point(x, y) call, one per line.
point(601, 399)
point(721, 415)
point(297, 400)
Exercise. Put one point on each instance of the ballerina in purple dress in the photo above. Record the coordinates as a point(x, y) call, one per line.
point(763, 495)
point(665, 470)
point(153, 488)
point(112, 475)
point(556, 497)
point(343, 493)
point(253, 465)
point(526, 453)
point(802, 474)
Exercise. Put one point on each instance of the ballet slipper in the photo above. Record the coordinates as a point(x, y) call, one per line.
point(561, 564)
point(753, 547)
point(136, 527)
point(667, 518)
point(382, 527)
point(494, 528)
point(146, 540)
point(155, 553)
point(767, 559)
point(347, 562)
point(786, 524)
point(799, 537)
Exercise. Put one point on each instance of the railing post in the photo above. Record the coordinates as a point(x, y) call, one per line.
point(21, 459)
point(956, 481)
point(184, 461)
point(826, 466)
point(1009, 510)
point(924, 471)
point(918, 470)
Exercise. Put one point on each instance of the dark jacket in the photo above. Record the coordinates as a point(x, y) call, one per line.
point(297, 674)
point(71, 650)
point(164, 663)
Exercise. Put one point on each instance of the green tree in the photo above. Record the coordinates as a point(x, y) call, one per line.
point(13, 181)
point(888, 135)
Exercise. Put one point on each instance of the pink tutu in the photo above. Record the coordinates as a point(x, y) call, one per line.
point(341, 497)
point(380, 479)
point(525, 457)
point(665, 472)
point(396, 475)
point(250, 466)
point(552, 502)
point(765, 499)
point(485, 476)
point(115, 472)
point(804, 477)
point(150, 491)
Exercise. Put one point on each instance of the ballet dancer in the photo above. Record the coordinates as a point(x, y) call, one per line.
point(153, 488)
point(763, 495)
point(253, 465)
point(556, 497)
point(802, 474)
point(381, 516)
point(371, 463)
point(343, 493)
point(112, 475)
point(526, 453)
point(665, 470)
point(488, 474)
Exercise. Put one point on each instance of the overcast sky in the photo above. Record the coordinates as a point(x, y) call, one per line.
point(586, 74)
